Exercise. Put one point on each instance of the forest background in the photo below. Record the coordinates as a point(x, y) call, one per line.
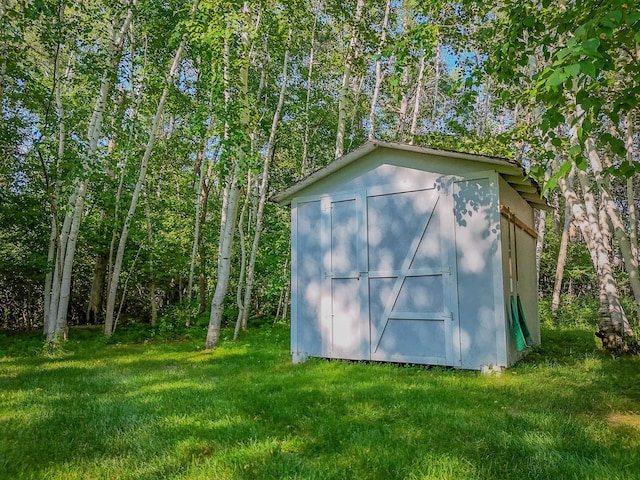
point(140, 141)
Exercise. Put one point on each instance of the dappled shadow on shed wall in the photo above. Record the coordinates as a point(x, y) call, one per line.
point(478, 260)
point(381, 282)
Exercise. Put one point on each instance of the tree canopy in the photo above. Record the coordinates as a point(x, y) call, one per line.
point(140, 140)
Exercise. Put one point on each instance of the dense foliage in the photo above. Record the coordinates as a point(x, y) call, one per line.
point(140, 139)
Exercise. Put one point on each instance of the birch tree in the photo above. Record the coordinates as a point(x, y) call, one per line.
point(264, 180)
point(246, 24)
point(117, 268)
point(67, 235)
point(346, 78)
point(378, 82)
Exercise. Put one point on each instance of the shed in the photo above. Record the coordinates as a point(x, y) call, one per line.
point(402, 253)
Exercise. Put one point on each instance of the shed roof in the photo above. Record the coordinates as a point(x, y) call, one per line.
point(510, 170)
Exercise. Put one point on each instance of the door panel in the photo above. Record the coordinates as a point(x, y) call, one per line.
point(388, 273)
point(350, 329)
point(424, 293)
point(346, 317)
point(411, 296)
point(413, 340)
point(344, 237)
point(391, 227)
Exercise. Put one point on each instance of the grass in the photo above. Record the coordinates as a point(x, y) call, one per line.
point(157, 409)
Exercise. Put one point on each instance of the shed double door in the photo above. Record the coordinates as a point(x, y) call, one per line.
point(389, 277)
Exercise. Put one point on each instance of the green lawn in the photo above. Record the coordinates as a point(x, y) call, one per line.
point(170, 410)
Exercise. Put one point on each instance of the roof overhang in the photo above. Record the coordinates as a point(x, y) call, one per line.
point(511, 170)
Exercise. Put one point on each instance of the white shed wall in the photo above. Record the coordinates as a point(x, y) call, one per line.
point(479, 282)
point(480, 297)
point(391, 169)
point(523, 250)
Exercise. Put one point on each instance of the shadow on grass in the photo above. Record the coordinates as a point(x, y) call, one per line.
point(245, 412)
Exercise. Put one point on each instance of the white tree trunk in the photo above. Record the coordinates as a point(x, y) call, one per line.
point(541, 216)
point(153, 304)
point(117, 266)
point(404, 105)
point(346, 80)
point(305, 141)
point(631, 202)
point(436, 82)
point(224, 262)
point(263, 189)
point(48, 279)
point(230, 210)
point(562, 260)
point(416, 102)
point(60, 251)
point(196, 229)
point(67, 266)
point(376, 88)
point(243, 258)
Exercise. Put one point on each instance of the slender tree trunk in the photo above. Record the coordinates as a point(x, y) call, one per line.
point(264, 187)
point(153, 303)
point(116, 218)
point(416, 102)
point(541, 218)
point(51, 327)
point(48, 279)
point(202, 278)
point(96, 293)
point(305, 141)
point(376, 88)
point(196, 229)
point(60, 295)
point(404, 104)
point(436, 82)
point(631, 206)
point(356, 121)
point(230, 213)
point(631, 201)
point(287, 298)
point(224, 264)
point(117, 267)
point(3, 59)
point(346, 79)
point(562, 260)
point(605, 226)
point(124, 288)
point(243, 257)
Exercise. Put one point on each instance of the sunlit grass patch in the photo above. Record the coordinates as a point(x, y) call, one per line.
point(244, 411)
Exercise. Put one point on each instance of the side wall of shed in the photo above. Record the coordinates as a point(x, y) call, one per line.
point(523, 278)
point(479, 270)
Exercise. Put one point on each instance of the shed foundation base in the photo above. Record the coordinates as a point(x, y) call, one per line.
point(299, 357)
point(491, 370)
